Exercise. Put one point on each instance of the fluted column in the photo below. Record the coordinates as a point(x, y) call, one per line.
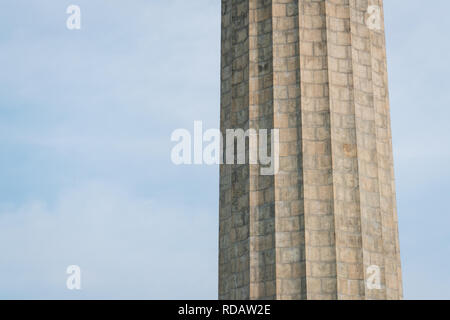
point(324, 226)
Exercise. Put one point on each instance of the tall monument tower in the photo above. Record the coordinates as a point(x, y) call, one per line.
point(325, 225)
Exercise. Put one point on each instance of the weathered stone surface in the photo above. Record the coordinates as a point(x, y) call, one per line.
point(314, 70)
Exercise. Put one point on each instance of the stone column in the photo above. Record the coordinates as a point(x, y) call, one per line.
point(325, 225)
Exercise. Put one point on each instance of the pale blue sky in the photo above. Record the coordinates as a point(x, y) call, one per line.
point(85, 124)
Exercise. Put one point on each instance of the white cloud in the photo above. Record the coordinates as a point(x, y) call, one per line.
point(127, 247)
